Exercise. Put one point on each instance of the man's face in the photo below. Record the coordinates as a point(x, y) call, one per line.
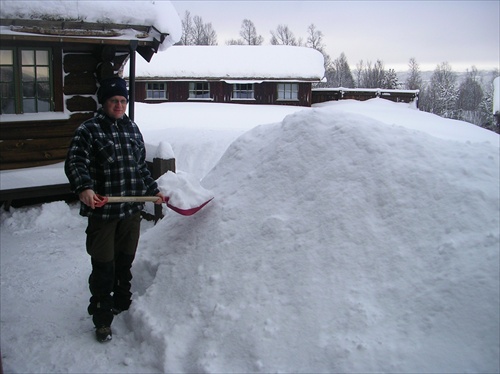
point(115, 106)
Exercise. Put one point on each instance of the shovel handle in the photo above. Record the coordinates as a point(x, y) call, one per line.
point(131, 199)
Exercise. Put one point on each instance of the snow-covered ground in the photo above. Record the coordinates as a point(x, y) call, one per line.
point(347, 237)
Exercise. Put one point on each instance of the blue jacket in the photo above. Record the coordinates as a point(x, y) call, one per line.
point(109, 157)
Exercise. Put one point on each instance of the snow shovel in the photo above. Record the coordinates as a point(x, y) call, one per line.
point(130, 199)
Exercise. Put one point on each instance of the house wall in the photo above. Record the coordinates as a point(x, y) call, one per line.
point(220, 92)
point(40, 142)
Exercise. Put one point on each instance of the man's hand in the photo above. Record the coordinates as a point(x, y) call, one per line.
point(161, 199)
point(89, 198)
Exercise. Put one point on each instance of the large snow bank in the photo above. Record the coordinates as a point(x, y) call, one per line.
point(336, 242)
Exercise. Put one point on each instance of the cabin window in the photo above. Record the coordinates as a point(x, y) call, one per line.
point(288, 91)
point(156, 91)
point(199, 90)
point(243, 91)
point(25, 81)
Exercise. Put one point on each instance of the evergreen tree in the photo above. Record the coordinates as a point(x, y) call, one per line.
point(414, 80)
point(486, 105)
point(442, 93)
point(390, 80)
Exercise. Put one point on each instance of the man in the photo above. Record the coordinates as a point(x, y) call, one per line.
point(107, 157)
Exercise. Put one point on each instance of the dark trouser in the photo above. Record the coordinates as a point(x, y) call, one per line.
point(112, 246)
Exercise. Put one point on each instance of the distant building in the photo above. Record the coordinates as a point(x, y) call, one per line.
point(321, 95)
point(278, 75)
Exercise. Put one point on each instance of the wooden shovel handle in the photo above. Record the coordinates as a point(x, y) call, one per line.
point(131, 199)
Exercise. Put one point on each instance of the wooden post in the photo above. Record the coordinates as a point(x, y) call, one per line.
point(160, 167)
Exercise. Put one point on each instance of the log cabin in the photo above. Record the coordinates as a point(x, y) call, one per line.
point(51, 61)
point(50, 69)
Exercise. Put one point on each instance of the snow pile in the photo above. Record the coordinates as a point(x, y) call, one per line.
point(199, 133)
point(183, 190)
point(336, 242)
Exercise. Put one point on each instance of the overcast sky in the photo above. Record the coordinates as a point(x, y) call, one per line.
point(462, 33)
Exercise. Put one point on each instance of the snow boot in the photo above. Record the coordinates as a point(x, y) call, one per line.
point(103, 334)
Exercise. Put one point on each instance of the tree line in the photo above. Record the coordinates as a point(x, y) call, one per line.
point(470, 99)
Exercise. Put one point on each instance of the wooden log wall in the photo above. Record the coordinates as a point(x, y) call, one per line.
point(43, 142)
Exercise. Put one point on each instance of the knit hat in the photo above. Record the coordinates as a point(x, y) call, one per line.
point(112, 87)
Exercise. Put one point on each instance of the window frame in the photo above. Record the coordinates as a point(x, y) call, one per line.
point(19, 83)
point(196, 93)
point(237, 88)
point(156, 90)
point(288, 91)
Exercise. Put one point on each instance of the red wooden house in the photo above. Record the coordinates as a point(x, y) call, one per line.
point(231, 74)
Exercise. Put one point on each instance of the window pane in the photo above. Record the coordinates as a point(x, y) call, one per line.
point(28, 89)
point(42, 58)
point(6, 74)
point(6, 57)
point(43, 90)
point(43, 106)
point(29, 105)
point(28, 74)
point(42, 74)
point(28, 57)
point(8, 106)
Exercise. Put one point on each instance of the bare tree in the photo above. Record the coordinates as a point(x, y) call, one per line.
point(283, 36)
point(414, 80)
point(470, 97)
point(187, 30)
point(360, 67)
point(195, 32)
point(314, 38)
point(203, 33)
point(235, 42)
point(249, 33)
point(339, 74)
point(369, 76)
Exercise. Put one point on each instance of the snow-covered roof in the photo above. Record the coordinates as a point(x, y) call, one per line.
point(235, 63)
point(161, 15)
point(380, 90)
